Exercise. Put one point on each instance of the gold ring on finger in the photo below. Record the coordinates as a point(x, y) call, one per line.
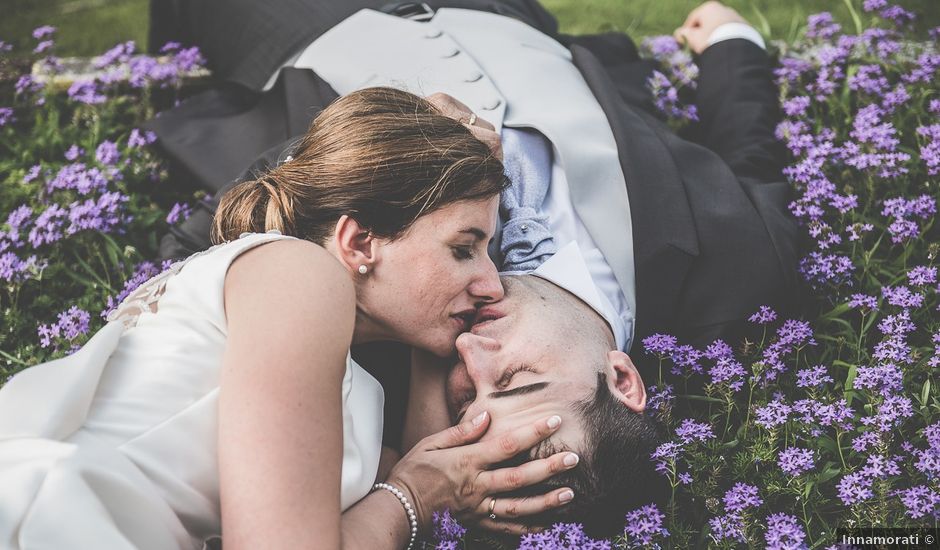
point(473, 119)
point(492, 507)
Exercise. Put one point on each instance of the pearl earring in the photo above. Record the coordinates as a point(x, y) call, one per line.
point(363, 269)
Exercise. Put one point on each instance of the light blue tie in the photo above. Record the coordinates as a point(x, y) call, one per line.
point(526, 240)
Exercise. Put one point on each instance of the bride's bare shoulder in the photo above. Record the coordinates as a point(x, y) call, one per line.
point(291, 272)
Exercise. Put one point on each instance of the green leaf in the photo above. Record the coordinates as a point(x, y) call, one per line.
point(850, 378)
point(925, 392)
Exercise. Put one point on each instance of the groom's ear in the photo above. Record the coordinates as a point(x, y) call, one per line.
point(625, 382)
point(355, 244)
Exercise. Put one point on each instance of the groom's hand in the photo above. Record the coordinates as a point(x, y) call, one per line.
point(702, 21)
point(481, 128)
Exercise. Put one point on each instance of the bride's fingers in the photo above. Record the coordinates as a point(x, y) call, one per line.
point(529, 473)
point(513, 442)
point(467, 431)
point(515, 508)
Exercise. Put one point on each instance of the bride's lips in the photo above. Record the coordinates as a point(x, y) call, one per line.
point(464, 319)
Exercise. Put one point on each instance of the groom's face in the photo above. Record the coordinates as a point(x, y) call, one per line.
point(529, 356)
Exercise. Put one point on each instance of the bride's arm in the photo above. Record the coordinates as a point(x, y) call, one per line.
point(280, 417)
point(280, 422)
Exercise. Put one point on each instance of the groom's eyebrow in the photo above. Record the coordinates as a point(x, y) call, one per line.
point(538, 386)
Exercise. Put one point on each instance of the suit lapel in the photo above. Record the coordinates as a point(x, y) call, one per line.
point(664, 237)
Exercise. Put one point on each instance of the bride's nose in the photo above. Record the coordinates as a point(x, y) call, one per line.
point(478, 354)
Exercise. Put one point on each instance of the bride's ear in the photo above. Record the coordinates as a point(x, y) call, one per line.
point(355, 245)
point(625, 381)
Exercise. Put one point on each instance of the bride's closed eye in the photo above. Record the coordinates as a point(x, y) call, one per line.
point(462, 252)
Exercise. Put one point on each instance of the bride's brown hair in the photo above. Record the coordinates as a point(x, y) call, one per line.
point(382, 156)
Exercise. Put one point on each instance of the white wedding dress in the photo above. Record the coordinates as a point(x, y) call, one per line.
point(115, 446)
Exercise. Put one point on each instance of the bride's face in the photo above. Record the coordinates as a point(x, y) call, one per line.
point(427, 285)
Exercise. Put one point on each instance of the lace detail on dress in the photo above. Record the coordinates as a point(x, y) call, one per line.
point(146, 296)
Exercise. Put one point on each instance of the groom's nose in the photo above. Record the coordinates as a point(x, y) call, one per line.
point(478, 354)
point(486, 287)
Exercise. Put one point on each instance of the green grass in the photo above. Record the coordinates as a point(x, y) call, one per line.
point(88, 27)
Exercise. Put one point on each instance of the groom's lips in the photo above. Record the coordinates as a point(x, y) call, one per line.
point(486, 315)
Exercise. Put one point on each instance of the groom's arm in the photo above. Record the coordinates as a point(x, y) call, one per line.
point(736, 98)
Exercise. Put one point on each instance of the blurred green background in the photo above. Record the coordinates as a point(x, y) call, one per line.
point(88, 27)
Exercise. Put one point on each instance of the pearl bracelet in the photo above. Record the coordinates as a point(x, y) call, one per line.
point(409, 510)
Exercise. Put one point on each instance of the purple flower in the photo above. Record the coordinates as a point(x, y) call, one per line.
point(104, 214)
point(891, 412)
point(71, 324)
point(4, 47)
point(644, 525)
point(741, 497)
point(856, 229)
point(48, 226)
point(687, 360)
point(784, 532)
point(666, 98)
point(821, 25)
point(179, 212)
point(901, 296)
point(773, 414)
point(685, 478)
point(118, 54)
point(79, 178)
point(727, 370)
point(658, 399)
point(86, 92)
point(446, 528)
point(170, 47)
point(866, 441)
point(32, 173)
point(727, 527)
point(43, 31)
point(141, 139)
point(6, 116)
point(562, 535)
point(880, 467)
point(895, 98)
point(764, 316)
point(660, 47)
point(863, 301)
point(14, 270)
point(920, 501)
point(719, 350)
point(74, 152)
point(820, 269)
point(795, 461)
point(27, 84)
point(855, 488)
point(43, 46)
point(813, 377)
point(659, 344)
point(869, 79)
point(107, 153)
point(885, 379)
point(188, 59)
point(666, 455)
point(690, 431)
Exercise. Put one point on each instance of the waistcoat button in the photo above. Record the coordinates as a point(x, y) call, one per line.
point(473, 77)
point(492, 104)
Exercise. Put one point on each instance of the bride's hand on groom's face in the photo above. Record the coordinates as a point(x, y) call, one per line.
point(481, 128)
point(451, 470)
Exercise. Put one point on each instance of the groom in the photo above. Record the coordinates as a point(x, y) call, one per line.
point(694, 232)
point(686, 235)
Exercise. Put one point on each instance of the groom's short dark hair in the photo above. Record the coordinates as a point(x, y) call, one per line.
point(615, 474)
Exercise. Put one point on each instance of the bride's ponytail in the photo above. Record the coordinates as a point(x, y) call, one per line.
point(255, 206)
point(380, 155)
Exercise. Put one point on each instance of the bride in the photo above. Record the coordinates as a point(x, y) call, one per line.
point(221, 398)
